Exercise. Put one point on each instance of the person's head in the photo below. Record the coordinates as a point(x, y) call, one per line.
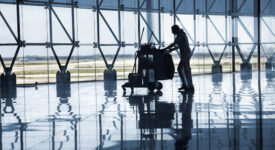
point(175, 29)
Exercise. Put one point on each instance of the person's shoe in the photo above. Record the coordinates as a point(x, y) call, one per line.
point(191, 89)
point(182, 88)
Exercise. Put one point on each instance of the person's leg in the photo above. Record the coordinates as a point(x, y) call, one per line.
point(181, 74)
point(188, 73)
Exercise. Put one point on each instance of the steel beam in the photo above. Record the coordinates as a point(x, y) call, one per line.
point(109, 27)
point(251, 53)
point(3, 64)
point(269, 29)
point(217, 30)
point(51, 35)
point(212, 56)
point(224, 49)
point(130, 9)
point(241, 6)
point(185, 29)
point(149, 28)
point(262, 11)
point(119, 34)
point(178, 5)
point(74, 43)
point(19, 42)
point(245, 29)
point(240, 53)
point(7, 24)
point(267, 58)
point(63, 27)
point(98, 34)
point(212, 4)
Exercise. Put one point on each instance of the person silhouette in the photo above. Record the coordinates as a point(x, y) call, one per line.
point(184, 69)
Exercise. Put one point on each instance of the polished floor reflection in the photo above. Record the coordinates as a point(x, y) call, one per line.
point(229, 111)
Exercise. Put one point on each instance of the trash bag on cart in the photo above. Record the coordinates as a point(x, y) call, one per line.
point(164, 65)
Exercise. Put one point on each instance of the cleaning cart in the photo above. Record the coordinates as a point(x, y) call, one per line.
point(153, 65)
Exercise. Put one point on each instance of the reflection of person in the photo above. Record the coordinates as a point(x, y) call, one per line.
point(186, 134)
point(184, 69)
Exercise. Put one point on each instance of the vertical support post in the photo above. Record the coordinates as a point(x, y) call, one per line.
point(174, 11)
point(194, 25)
point(18, 22)
point(234, 32)
point(97, 23)
point(256, 25)
point(149, 16)
point(119, 22)
point(50, 22)
point(226, 16)
point(159, 21)
point(259, 34)
point(138, 6)
point(73, 22)
point(206, 25)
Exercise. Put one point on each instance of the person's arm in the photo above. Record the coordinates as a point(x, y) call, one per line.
point(169, 47)
point(173, 48)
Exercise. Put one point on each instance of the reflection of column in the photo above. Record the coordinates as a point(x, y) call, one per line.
point(110, 89)
point(259, 119)
point(9, 112)
point(237, 124)
point(64, 116)
point(236, 118)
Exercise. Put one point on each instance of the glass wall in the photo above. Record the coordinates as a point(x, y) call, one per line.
point(100, 33)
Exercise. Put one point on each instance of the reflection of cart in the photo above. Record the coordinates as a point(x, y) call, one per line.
point(153, 65)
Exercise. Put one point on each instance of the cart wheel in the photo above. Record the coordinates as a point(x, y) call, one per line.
point(151, 86)
point(159, 93)
point(160, 86)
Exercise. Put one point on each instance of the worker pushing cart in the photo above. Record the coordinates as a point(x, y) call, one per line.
point(184, 69)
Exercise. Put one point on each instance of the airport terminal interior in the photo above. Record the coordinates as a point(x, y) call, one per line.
point(95, 74)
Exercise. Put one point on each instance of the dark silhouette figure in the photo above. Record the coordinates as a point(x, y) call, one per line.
point(184, 135)
point(184, 69)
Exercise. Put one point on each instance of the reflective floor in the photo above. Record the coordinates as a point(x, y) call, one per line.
point(225, 112)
